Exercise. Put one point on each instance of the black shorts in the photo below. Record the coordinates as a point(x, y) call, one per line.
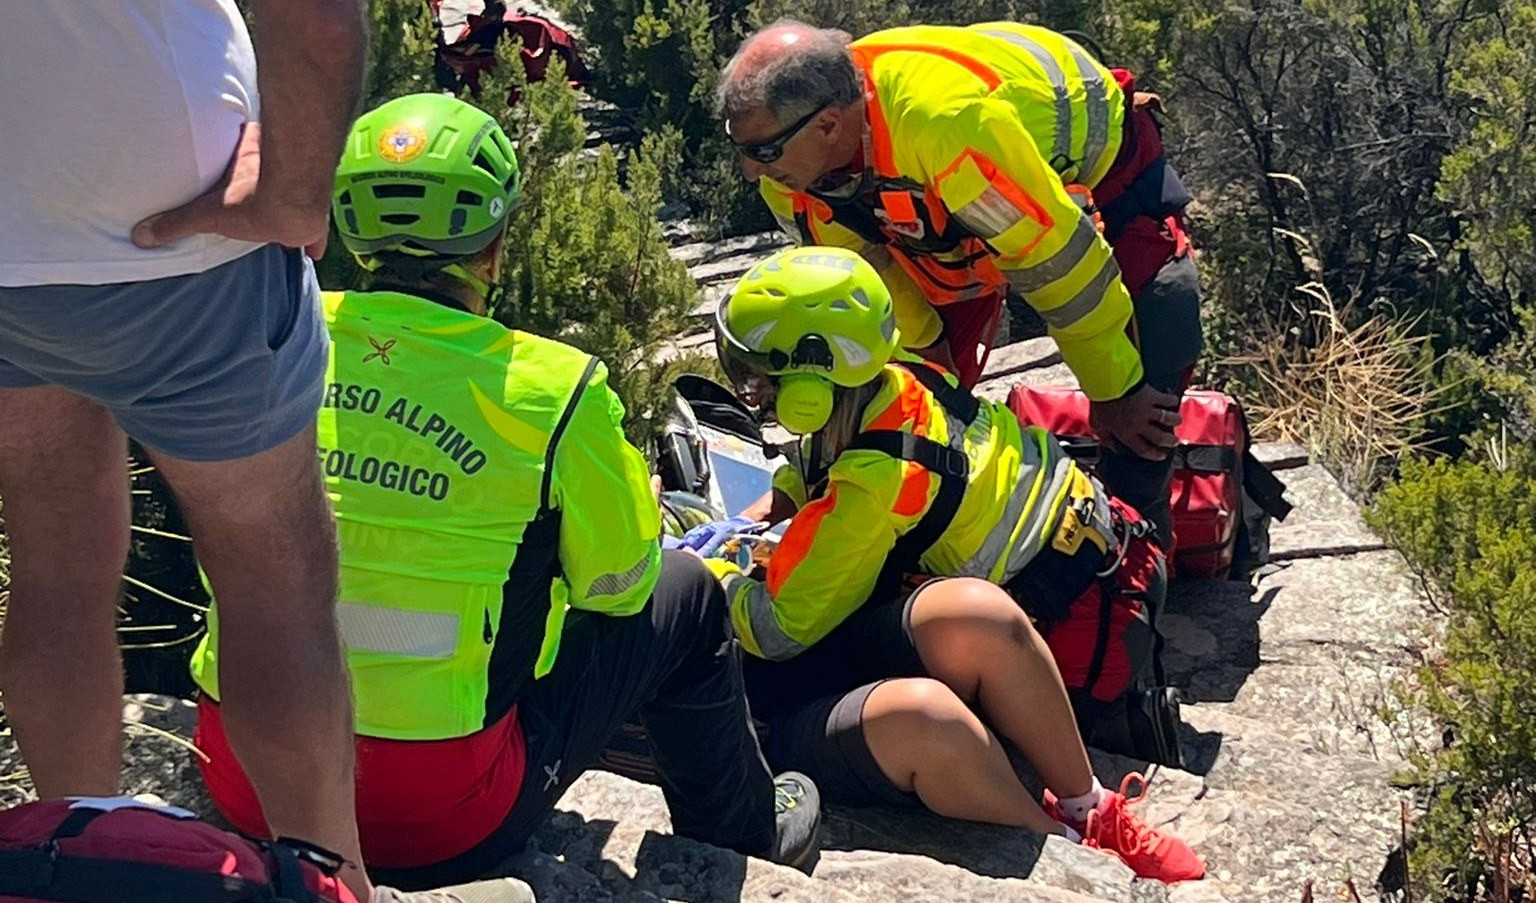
point(813, 704)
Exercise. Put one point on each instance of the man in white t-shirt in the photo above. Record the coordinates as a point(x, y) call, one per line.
point(151, 287)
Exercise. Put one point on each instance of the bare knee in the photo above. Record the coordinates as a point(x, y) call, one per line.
point(961, 622)
point(918, 723)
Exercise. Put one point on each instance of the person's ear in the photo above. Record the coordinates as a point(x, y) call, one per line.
point(830, 124)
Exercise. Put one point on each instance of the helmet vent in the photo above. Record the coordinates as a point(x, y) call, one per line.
point(400, 219)
point(840, 304)
point(484, 162)
point(470, 198)
point(345, 198)
point(383, 192)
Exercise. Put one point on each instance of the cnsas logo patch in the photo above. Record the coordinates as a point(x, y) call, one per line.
point(402, 143)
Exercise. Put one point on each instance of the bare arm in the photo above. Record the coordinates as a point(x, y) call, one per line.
point(309, 66)
point(309, 69)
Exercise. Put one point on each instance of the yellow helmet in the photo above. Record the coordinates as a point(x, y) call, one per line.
point(812, 317)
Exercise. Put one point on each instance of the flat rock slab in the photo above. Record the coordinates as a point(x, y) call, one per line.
point(1273, 814)
point(616, 829)
point(702, 252)
point(1324, 520)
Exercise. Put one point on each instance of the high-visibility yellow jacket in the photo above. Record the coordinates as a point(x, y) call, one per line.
point(1022, 493)
point(972, 134)
point(482, 484)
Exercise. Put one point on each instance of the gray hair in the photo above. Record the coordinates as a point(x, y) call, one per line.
point(818, 71)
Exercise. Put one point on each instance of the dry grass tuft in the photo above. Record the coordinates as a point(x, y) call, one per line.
point(1353, 388)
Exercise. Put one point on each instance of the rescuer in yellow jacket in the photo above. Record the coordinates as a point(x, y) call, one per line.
point(903, 471)
point(960, 161)
point(503, 597)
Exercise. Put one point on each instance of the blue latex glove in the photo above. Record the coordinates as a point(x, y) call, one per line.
point(706, 539)
point(670, 542)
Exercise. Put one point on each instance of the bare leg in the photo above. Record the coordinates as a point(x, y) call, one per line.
point(64, 477)
point(928, 742)
point(264, 535)
point(972, 636)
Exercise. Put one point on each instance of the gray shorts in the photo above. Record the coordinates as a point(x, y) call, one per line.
point(211, 366)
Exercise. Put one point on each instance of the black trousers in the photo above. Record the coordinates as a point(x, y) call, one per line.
point(676, 668)
point(1168, 322)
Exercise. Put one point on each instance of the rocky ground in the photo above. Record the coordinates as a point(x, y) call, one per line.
point(1289, 787)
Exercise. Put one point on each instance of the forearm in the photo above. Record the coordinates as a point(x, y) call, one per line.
point(309, 64)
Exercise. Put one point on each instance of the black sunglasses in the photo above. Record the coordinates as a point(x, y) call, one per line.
point(772, 149)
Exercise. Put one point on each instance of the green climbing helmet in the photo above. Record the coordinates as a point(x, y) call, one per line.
point(425, 176)
point(811, 317)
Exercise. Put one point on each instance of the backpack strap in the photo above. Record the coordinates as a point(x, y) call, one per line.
point(960, 404)
point(1258, 480)
point(44, 874)
point(1205, 458)
point(953, 470)
point(559, 431)
point(1264, 487)
point(949, 464)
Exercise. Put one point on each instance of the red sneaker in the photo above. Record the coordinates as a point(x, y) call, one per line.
point(1115, 829)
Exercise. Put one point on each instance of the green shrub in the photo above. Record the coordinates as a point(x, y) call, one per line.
point(1487, 177)
point(586, 262)
point(1469, 529)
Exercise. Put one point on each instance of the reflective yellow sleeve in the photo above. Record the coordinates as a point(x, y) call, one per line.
point(828, 562)
point(788, 480)
point(993, 179)
point(609, 522)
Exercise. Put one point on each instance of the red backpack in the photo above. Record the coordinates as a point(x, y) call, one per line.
point(1215, 475)
point(469, 30)
point(121, 851)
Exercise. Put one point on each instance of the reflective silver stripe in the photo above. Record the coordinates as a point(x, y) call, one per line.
point(990, 215)
point(1061, 143)
point(416, 634)
point(1097, 102)
point(1086, 299)
point(788, 226)
point(1032, 279)
point(772, 641)
point(1000, 542)
point(617, 584)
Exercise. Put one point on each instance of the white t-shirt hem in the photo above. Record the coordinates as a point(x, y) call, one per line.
point(203, 254)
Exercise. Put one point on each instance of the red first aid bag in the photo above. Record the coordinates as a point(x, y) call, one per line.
point(1213, 469)
point(121, 851)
